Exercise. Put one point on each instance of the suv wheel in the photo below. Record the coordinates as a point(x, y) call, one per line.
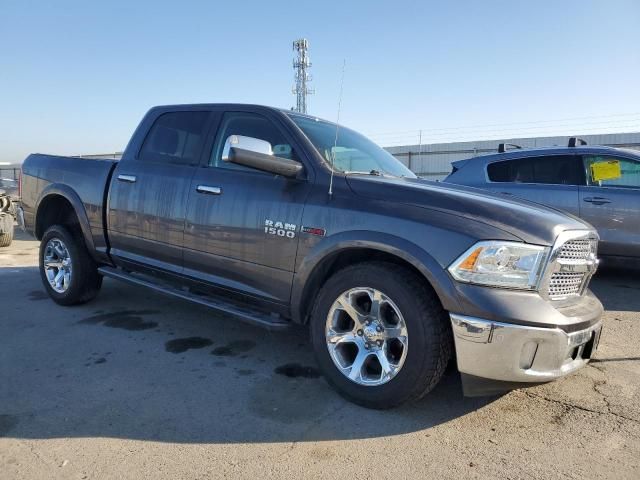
point(380, 335)
point(68, 272)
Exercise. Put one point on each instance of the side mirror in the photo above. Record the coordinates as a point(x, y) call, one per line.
point(255, 153)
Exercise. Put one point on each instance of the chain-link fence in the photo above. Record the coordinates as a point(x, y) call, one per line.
point(9, 179)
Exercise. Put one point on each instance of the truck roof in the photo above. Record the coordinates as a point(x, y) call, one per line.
point(182, 106)
point(188, 106)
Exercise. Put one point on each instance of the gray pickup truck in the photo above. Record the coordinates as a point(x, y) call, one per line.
point(278, 218)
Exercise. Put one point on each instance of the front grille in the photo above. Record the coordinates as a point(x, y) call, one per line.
point(563, 284)
point(578, 249)
point(571, 265)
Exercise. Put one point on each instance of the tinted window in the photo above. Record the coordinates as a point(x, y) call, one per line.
point(175, 137)
point(625, 173)
point(554, 169)
point(249, 125)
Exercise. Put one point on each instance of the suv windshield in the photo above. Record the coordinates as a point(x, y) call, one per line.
point(352, 152)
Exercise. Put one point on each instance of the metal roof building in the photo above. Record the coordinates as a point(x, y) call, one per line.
point(433, 161)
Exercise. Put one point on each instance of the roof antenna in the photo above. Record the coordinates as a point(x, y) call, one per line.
point(335, 143)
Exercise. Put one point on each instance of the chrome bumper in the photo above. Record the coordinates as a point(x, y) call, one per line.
point(516, 353)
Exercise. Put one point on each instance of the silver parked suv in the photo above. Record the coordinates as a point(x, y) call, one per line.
point(598, 184)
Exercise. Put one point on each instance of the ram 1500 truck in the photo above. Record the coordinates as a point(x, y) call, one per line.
point(279, 218)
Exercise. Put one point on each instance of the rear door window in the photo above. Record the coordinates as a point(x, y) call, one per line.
point(549, 170)
point(175, 137)
point(607, 171)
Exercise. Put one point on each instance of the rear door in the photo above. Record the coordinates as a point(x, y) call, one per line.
point(551, 180)
point(611, 203)
point(149, 191)
point(242, 225)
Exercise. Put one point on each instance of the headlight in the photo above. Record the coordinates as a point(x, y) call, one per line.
point(501, 264)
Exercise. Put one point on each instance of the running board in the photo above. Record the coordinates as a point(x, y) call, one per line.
point(247, 315)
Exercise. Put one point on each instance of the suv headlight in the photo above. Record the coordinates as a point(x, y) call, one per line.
point(501, 264)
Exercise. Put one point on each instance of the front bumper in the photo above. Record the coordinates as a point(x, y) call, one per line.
point(517, 353)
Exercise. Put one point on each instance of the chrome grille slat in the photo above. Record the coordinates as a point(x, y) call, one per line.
point(565, 284)
point(578, 249)
point(571, 265)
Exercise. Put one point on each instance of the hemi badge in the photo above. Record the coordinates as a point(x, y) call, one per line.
point(314, 231)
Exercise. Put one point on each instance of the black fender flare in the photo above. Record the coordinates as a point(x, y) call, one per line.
point(73, 198)
point(430, 269)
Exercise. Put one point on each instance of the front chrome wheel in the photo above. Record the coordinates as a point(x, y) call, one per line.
point(57, 265)
point(366, 336)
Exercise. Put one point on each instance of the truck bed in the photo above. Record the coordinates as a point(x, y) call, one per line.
point(83, 180)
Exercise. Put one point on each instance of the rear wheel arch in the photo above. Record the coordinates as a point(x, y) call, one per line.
point(60, 205)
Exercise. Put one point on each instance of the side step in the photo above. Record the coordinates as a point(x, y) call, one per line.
point(247, 315)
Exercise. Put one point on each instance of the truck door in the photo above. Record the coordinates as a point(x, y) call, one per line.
point(242, 225)
point(611, 202)
point(551, 180)
point(149, 191)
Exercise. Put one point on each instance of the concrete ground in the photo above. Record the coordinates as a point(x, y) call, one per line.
point(135, 385)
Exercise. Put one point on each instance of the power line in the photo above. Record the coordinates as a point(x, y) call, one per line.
point(511, 131)
point(435, 133)
point(506, 124)
point(411, 140)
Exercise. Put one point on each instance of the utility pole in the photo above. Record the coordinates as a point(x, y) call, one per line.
point(301, 64)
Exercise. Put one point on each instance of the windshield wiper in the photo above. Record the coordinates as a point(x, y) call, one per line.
point(376, 173)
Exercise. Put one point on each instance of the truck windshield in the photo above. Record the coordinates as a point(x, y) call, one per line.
point(353, 152)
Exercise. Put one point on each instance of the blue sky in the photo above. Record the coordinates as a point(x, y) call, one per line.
point(77, 76)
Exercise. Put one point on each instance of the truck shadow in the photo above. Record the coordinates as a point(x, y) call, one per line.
point(136, 365)
point(618, 290)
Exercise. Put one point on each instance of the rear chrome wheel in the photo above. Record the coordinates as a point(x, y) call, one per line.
point(366, 336)
point(57, 265)
point(68, 272)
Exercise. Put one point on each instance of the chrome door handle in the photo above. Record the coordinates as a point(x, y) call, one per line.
point(208, 190)
point(127, 178)
point(597, 200)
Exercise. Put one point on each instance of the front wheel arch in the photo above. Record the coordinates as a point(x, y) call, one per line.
point(320, 265)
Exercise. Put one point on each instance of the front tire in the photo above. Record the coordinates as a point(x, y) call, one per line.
point(380, 335)
point(68, 272)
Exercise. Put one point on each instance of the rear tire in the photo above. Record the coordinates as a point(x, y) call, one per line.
point(410, 310)
point(68, 272)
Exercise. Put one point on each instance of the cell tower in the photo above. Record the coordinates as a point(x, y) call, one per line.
point(301, 64)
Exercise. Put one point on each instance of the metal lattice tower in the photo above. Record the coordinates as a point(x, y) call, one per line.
point(301, 64)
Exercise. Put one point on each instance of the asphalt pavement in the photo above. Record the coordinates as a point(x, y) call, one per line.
point(138, 385)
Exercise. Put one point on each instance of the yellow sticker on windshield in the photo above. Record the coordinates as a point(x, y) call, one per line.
point(605, 170)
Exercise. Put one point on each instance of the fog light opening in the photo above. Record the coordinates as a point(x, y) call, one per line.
point(528, 355)
point(574, 353)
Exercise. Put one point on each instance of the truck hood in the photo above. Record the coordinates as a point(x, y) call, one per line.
point(530, 222)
